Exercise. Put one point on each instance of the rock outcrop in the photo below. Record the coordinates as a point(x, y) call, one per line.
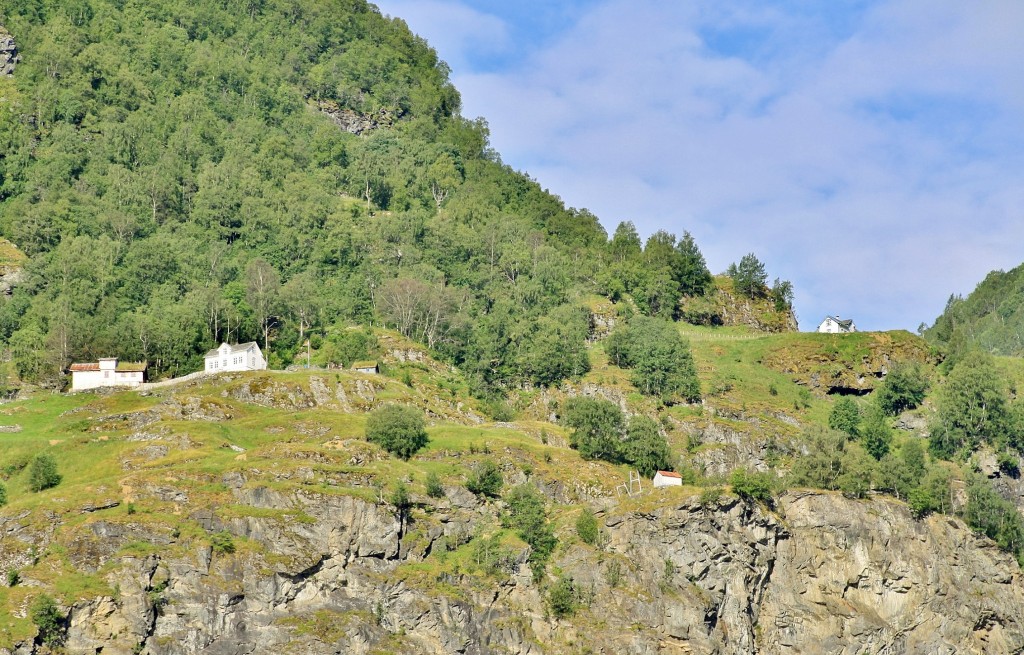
point(9, 57)
point(845, 364)
point(352, 121)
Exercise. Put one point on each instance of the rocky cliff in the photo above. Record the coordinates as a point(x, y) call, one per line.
point(8, 53)
point(317, 571)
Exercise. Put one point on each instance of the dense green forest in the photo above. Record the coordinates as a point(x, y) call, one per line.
point(171, 170)
point(990, 318)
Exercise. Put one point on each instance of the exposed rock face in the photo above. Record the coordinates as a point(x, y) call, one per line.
point(721, 305)
point(850, 364)
point(327, 573)
point(9, 57)
point(354, 122)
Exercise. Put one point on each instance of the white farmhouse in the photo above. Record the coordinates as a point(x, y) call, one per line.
point(107, 373)
point(238, 357)
point(835, 325)
point(667, 479)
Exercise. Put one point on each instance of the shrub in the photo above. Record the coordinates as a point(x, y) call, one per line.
point(752, 485)
point(1009, 465)
point(845, 417)
point(485, 479)
point(562, 598)
point(597, 427)
point(13, 577)
point(586, 527)
point(613, 573)
point(48, 618)
point(222, 543)
point(3, 495)
point(858, 470)
point(434, 487)
point(397, 429)
point(710, 496)
point(400, 497)
point(527, 515)
point(42, 473)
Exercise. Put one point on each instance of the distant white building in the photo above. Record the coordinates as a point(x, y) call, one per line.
point(238, 357)
point(366, 367)
point(667, 479)
point(107, 373)
point(835, 325)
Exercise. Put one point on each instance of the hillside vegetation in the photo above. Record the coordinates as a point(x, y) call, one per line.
point(176, 174)
point(990, 318)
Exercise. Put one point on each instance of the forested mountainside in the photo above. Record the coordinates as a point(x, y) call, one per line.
point(181, 174)
point(990, 318)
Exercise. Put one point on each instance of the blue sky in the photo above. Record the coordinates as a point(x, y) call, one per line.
point(872, 152)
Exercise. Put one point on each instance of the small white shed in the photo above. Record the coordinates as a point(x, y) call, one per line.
point(667, 479)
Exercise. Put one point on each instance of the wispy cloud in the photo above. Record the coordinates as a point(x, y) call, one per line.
point(871, 152)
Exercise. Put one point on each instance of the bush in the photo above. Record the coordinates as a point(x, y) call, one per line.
point(397, 429)
point(3, 495)
point(586, 527)
point(597, 427)
point(845, 417)
point(1009, 465)
point(42, 473)
point(994, 516)
point(485, 480)
point(752, 485)
point(434, 487)
point(222, 543)
point(400, 498)
point(562, 598)
point(48, 618)
point(527, 515)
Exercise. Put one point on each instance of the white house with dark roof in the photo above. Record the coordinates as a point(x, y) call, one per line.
point(237, 357)
point(836, 325)
point(107, 373)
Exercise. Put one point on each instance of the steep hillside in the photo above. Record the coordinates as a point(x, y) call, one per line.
point(247, 513)
point(990, 318)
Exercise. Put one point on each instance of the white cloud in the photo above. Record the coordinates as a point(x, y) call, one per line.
point(875, 164)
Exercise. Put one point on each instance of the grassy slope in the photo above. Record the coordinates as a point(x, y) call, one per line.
point(91, 436)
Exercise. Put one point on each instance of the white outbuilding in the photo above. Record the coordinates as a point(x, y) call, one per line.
point(107, 372)
point(667, 479)
point(237, 357)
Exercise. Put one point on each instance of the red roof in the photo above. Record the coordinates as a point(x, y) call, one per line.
point(90, 366)
point(670, 474)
